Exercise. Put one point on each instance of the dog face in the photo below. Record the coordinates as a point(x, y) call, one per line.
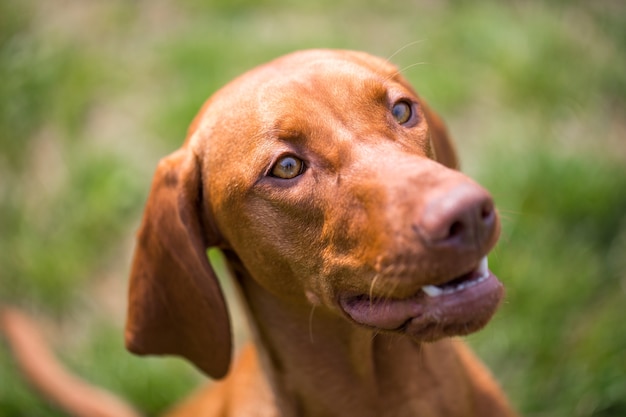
point(333, 191)
point(324, 175)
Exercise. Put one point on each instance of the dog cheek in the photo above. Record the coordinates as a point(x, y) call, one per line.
point(277, 245)
point(352, 238)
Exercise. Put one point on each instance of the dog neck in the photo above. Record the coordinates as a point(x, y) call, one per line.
point(310, 355)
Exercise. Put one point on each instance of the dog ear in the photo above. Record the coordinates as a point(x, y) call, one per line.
point(175, 303)
point(445, 151)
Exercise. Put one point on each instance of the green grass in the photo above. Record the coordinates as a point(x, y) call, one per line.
point(93, 93)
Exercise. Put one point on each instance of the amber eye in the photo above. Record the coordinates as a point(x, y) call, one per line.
point(402, 112)
point(287, 167)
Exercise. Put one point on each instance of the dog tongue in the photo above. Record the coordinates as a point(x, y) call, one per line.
point(381, 313)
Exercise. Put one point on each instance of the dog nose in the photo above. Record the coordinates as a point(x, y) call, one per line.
point(464, 218)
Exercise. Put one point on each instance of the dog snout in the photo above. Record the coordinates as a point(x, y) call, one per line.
point(463, 219)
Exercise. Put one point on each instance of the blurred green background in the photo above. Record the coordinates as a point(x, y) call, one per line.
point(93, 93)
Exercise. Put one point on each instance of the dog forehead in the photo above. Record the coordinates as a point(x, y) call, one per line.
point(285, 90)
point(328, 74)
point(307, 74)
point(293, 105)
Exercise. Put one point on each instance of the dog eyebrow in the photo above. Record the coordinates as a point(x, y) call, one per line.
point(288, 129)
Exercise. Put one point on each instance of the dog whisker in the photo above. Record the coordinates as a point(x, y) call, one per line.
point(388, 269)
point(372, 285)
point(375, 333)
point(311, 314)
point(516, 212)
point(400, 71)
point(402, 48)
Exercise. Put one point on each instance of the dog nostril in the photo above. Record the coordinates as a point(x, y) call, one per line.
point(456, 229)
point(487, 211)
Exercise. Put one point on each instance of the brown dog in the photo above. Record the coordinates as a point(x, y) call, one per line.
point(358, 248)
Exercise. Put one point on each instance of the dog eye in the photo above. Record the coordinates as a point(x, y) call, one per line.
point(287, 167)
point(402, 112)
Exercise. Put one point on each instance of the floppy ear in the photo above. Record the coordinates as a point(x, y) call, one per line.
point(175, 302)
point(445, 151)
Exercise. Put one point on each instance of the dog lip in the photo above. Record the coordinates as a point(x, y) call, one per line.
point(471, 297)
point(381, 313)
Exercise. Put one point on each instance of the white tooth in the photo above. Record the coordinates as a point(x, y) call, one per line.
point(432, 291)
point(483, 268)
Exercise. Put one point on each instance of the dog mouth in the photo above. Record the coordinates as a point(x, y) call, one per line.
point(459, 306)
point(468, 280)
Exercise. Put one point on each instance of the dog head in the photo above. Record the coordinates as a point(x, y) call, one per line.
point(330, 182)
